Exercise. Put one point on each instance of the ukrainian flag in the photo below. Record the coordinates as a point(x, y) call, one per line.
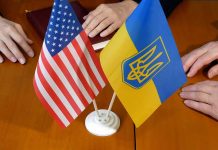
point(142, 62)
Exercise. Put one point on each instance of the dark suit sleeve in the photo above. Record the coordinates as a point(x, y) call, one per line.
point(168, 5)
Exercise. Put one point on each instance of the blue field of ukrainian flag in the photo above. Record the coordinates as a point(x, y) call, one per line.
point(142, 62)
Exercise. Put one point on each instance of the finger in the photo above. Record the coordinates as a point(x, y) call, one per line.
point(92, 15)
point(94, 23)
point(21, 31)
point(213, 71)
point(109, 30)
point(200, 62)
point(201, 107)
point(205, 88)
point(209, 83)
point(104, 24)
point(14, 49)
point(186, 62)
point(89, 18)
point(1, 59)
point(21, 41)
point(85, 17)
point(7, 52)
point(189, 59)
point(196, 96)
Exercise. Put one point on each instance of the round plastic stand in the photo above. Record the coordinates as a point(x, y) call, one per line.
point(102, 125)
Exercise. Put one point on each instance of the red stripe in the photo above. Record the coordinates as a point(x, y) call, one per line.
point(59, 83)
point(70, 79)
point(86, 64)
point(73, 63)
point(53, 95)
point(92, 53)
point(47, 106)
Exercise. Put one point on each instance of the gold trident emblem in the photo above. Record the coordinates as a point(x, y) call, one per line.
point(140, 70)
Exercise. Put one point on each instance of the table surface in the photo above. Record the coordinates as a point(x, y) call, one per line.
point(25, 124)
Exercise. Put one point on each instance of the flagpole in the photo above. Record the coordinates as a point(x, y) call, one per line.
point(94, 101)
point(111, 104)
point(96, 107)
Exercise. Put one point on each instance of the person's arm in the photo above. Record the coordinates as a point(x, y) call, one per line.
point(167, 5)
point(12, 36)
point(106, 18)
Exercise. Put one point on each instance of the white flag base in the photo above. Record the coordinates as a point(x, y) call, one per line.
point(102, 125)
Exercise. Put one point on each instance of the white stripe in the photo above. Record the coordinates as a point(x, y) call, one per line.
point(56, 89)
point(63, 79)
point(74, 75)
point(50, 102)
point(82, 68)
point(89, 58)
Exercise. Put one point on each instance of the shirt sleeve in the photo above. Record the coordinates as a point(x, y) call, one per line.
point(168, 5)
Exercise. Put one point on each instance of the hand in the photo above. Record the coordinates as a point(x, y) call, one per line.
point(107, 17)
point(202, 97)
point(199, 57)
point(11, 35)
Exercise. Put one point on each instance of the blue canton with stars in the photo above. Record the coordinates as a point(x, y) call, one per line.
point(63, 27)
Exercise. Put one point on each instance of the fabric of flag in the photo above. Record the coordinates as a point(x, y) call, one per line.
point(68, 75)
point(146, 67)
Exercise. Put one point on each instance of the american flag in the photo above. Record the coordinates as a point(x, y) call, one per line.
point(68, 75)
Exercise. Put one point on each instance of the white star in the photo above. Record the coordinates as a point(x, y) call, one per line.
point(73, 28)
point(54, 3)
point(60, 5)
point(57, 25)
point(74, 21)
point(58, 19)
point(52, 50)
point(61, 39)
point(51, 23)
point(53, 44)
point(49, 35)
point(77, 28)
point(63, 26)
point(68, 27)
point(66, 7)
point(59, 12)
point(66, 40)
point(71, 34)
point(48, 42)
point(69, 21)
point(52, 16)
point(59, 45)
point(64, 20)
point(67, 33)
point(55, 31)
point(50, 29)
point(70, 14)
point(65, 13)
point(53, 10)
point(62, 32)
point(55, 38)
